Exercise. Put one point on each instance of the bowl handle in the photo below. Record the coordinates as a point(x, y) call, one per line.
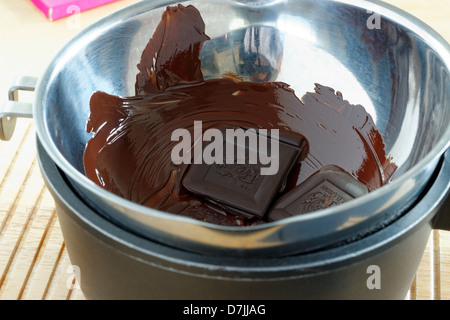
point(13, 109)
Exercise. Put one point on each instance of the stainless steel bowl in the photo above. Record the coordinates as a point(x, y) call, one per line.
point(375, 54)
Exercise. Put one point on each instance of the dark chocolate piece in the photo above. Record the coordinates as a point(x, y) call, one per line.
point(328, 187)
point(243, 188)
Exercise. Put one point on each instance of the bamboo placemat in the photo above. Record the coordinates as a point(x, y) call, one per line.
point(33, 260)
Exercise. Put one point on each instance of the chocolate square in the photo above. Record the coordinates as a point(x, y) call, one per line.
point(328, 187)
point(241, 187)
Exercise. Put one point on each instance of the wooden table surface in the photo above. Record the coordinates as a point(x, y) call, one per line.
point(33, 261)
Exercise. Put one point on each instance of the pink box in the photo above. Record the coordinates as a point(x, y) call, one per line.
point(57, 9)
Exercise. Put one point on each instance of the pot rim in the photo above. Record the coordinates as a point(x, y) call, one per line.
point(423, 212)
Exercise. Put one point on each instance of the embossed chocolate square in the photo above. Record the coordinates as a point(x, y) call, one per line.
point(328, 187)
point(247, 179)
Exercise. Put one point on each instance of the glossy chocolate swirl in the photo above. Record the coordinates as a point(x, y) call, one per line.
point(129, 153)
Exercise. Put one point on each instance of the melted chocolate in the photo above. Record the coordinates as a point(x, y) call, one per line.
point(130, 151)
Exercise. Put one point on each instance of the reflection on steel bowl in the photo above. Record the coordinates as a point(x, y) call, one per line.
point(131, 151)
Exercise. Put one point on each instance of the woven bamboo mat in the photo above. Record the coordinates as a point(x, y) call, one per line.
point(33, 260)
